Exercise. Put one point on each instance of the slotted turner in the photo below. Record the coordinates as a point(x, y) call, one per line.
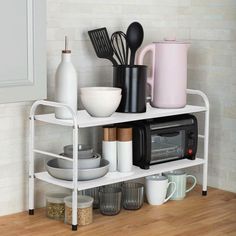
point(102, 44)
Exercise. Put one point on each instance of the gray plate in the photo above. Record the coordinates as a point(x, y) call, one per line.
point(83, 174)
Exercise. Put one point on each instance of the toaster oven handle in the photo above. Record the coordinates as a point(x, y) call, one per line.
point(172, 134)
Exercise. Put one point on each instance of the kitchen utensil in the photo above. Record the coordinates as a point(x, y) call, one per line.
point(84, 151)
point(118, 42)
point(102, 44)
point(156, 189)
point(134, 38)
point(132, 195)
point(168, 79)
point(109, 146)
point(94, 193)
point(124, 149)
point(132, 81)
point(87, 163)
point(66, 85)
point(100, 101)
point(84, 210)
point(110, 201)
point(179, 177)
point(83, 174)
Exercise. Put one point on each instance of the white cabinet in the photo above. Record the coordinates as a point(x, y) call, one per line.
point(82, 120)
point(23, 50)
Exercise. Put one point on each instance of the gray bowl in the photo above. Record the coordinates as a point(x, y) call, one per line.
point(83, 174)
point(84, 151)
point(87, 163)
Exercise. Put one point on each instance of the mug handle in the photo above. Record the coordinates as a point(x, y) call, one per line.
point(146, 49)
point(172, 192)
point(194, 182)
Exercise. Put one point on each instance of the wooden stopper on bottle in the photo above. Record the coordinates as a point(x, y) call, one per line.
point(109, 133)
point(124, 134)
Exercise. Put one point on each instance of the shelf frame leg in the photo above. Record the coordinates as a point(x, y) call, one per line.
point(206, 143)
point(31, 166)
point(75, 178)
point(206, 136)
point(32, 152)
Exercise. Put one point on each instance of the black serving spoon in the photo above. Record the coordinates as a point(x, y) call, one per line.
point(134, 37)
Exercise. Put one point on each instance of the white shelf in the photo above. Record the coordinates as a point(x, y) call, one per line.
point(114, 177)
point(85, 120)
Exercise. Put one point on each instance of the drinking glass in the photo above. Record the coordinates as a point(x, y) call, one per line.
point(94, 193)
point(114, 185)
point(132, 194)
point(110, 200)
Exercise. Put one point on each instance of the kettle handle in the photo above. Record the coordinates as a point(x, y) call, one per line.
point(146, 49)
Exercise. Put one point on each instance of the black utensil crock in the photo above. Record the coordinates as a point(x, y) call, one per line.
point(132, 80)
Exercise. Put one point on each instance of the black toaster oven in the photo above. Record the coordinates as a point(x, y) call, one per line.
point(164, 139)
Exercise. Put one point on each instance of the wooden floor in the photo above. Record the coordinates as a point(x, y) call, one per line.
point(213, 215)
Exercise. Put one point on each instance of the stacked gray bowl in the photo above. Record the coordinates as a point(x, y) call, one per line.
point(90, 164)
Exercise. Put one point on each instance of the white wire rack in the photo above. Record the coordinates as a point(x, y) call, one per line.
point(83, 120)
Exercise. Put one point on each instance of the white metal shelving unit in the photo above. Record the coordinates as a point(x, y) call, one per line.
point(82, 120)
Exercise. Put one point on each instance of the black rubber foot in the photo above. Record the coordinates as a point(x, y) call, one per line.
point(31, 212)
point(74, 227)
point(204, 193)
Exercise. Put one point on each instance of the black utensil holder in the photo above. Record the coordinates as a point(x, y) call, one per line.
point(132, 80)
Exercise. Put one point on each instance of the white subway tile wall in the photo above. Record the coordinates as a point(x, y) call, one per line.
point(210, 25)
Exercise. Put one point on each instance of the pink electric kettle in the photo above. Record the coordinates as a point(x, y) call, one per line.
point(168, 79)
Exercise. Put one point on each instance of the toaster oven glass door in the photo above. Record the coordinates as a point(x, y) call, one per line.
point(167, 146)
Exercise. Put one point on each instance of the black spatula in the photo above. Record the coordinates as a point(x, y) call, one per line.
point(102, 44)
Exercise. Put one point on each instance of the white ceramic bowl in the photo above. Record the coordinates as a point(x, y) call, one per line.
point(99, 90)
point(100, 101)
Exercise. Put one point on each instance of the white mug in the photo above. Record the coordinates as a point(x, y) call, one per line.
point(156, 189)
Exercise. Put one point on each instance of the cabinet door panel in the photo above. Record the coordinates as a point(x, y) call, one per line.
point(23, 50)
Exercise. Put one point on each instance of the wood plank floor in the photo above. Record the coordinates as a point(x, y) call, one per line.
point(213, 215)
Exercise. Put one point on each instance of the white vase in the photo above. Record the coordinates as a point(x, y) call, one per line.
point(66, 86)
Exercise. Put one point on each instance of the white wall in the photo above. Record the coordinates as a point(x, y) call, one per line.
point(211, 27)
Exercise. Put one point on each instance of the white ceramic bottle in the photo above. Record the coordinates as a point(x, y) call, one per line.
point(66, 85)
point(124, 149)
point(109, 146)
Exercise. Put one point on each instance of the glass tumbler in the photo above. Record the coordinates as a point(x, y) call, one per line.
point(94, 193)
point(115, 185)
point(132, 194)
point(110, 200)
